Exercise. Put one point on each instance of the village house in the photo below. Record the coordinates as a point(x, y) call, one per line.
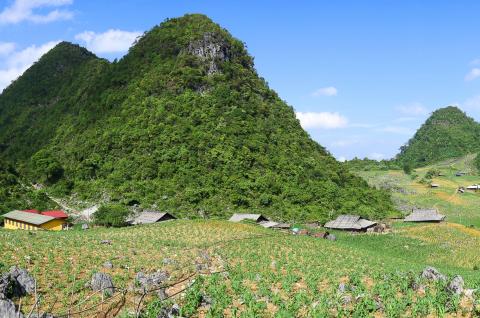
point(424, 215)
point(350, 223)
point(23, 220)
point(149, 217)
point(238, 217)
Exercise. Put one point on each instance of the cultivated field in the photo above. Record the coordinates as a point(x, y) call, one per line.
point(242, 270)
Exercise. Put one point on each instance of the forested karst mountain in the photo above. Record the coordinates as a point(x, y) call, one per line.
point(447, 133)
point(182, 122)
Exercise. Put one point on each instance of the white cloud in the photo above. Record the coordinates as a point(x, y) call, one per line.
point(18, 62)
point(322, 120)
point(342, 159)
point(473, 74)
point(413, 109)
point(6, 48)
point(24, 10)
point(325, 91)
point(111, 41)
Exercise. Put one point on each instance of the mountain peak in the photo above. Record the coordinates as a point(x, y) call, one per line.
point(447, 133)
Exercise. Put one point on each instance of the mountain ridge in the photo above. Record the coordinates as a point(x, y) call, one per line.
point(184, 123)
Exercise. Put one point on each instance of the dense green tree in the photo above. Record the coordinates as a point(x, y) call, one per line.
point(111, 215)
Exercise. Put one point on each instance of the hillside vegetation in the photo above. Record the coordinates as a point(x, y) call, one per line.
point(448, 133)
point(16, 195)
point(183, 122)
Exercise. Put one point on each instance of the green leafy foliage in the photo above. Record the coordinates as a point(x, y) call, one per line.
point(111, 215)
point(14, 194)
point(365, 164)
point(198, 135)
point(448, 133)
point(477, 162)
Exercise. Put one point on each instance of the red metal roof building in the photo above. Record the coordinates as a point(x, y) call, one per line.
point(58, 214)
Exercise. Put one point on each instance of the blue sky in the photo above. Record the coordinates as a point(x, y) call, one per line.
point(362, 75)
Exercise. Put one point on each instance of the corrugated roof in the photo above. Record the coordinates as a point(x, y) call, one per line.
point(58, 214)
point(424, 215)
point(32, 218)
point(238, 217)
point(349, 222)
point(147, 217)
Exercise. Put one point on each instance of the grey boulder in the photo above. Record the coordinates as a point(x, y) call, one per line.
point(153, 282)
point(431, 273)
point(456, 285)
point(8, 309)
point(102, 282)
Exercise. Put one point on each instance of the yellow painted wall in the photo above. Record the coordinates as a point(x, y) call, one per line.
point(53, 225)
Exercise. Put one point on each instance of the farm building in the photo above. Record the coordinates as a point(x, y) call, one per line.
point(148, 217)
point(474, 187)
point(275, 225)
point(434, 185)
point(238, 217)
point(350, 223)
point(430, 215)
point(32, 221)
point(460, 173)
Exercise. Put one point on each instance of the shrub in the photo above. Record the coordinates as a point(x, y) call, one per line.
point(407, 168)
point(112, 215)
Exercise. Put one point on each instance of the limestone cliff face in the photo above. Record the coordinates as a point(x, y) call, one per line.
point(213, 49)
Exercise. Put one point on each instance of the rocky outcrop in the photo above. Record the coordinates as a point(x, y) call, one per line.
point(153, 283)
point(212, 48)
point(16, 283)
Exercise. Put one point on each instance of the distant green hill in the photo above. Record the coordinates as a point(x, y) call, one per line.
point(448, 133)
point(183, 122)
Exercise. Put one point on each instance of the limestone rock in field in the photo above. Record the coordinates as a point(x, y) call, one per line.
point(102, 282)
point(108, 265)
point(5, 286)
point(456, 285)
point(431, 273)
point(171, 312)
point(16, 283)
point(153, 282)
point(8, 309)
point(331, 237)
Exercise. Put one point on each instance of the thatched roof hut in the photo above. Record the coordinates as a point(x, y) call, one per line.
point(349, 222)
point(424, 215)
